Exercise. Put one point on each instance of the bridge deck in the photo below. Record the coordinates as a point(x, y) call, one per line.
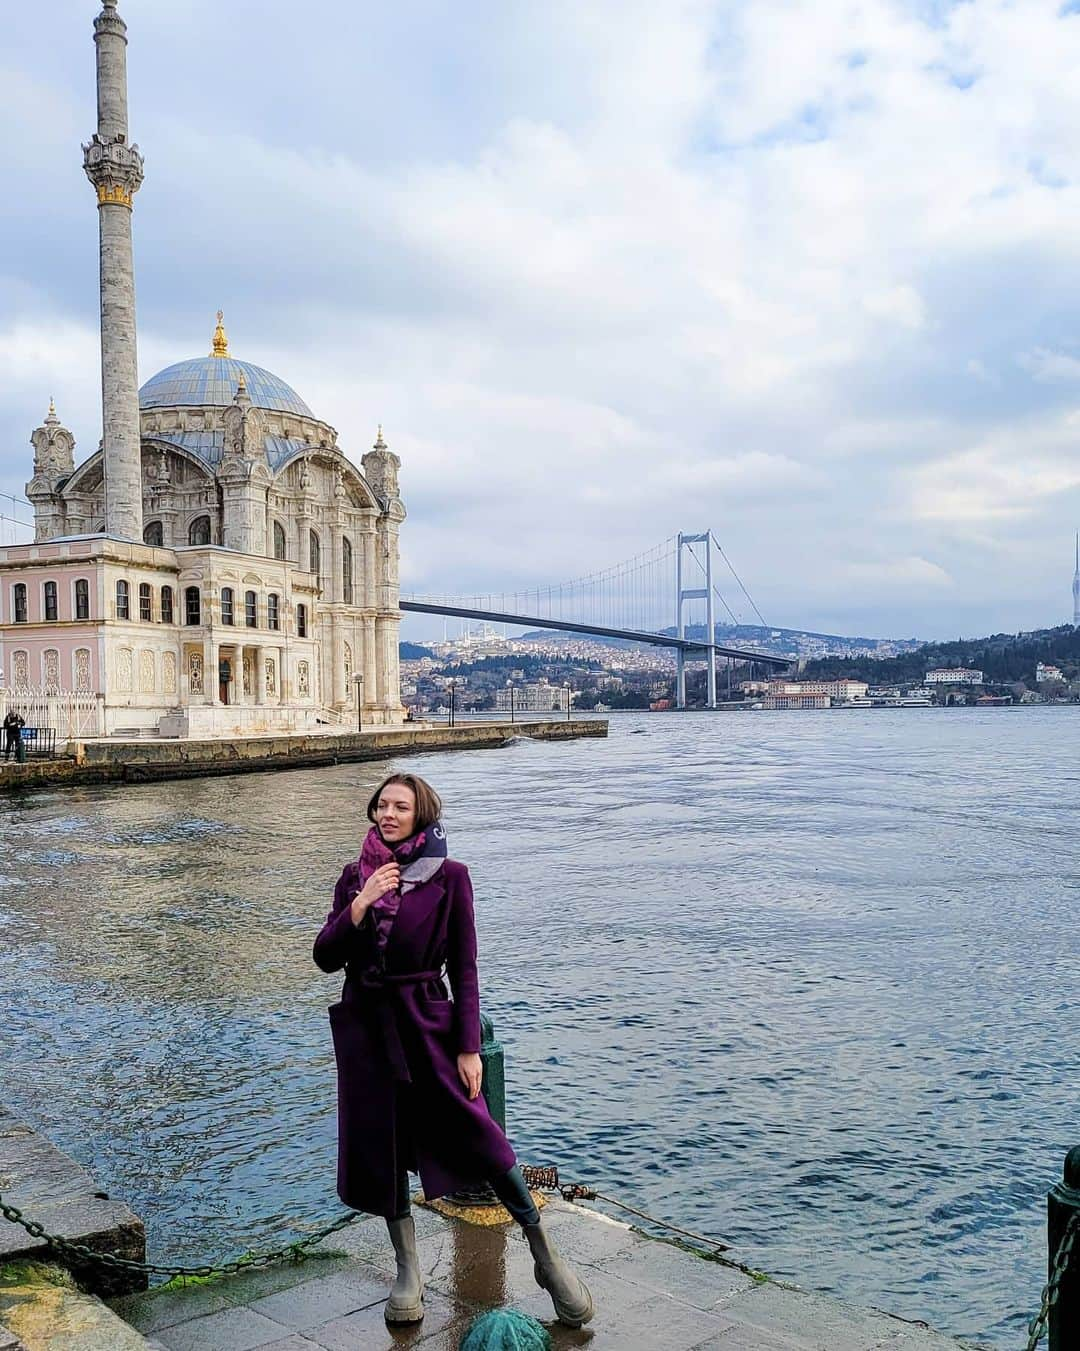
point(687, 645)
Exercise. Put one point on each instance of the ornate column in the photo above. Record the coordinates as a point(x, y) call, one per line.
point(370, 663)
point(334, 590)
point(260, 675)
point(341, 693)
point(115, 168)
point(210, 670)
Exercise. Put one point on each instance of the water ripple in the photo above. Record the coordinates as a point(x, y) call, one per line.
point(801, 981)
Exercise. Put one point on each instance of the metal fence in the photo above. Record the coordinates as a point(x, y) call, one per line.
point(68, 714)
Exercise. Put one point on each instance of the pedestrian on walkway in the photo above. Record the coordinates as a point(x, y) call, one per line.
point(408, 1061)
point(13, 725)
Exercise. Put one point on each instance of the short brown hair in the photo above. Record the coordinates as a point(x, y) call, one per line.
point(428, 802)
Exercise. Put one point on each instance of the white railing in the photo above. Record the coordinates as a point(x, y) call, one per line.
point(334, 716)
point(72, 714)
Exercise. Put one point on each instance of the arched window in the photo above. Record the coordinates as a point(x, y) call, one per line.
point(227, 605)
point(82, 599)
point(199, 530)
point(301, 621)
point(123, 600)
point(19, 592)
point(279, 540)
point(251, 609)
point(273, 615)
point(346, 571)
point(154, 534)
point(146, 604)
point(192, 606)
point(51, 613)
point(166, 605)
point(314, 554)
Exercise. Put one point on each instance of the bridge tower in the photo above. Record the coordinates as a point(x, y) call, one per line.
point(683, 594)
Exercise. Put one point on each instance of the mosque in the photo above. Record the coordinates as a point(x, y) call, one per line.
point(219, 566)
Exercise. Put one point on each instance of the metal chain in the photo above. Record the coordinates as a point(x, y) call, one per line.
point(293, 1251)
point(1037, 1326)
point(547, 1178)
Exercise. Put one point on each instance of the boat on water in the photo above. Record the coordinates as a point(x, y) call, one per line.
point(887, 701)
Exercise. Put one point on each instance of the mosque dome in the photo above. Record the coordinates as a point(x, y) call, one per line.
point(211, 381)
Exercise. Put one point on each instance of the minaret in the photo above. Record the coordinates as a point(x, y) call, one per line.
point(1076, 587)
point(115, 168)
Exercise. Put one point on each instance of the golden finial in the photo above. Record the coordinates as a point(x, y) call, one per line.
point(380, 444)
point(52, 406)
point(220, 346)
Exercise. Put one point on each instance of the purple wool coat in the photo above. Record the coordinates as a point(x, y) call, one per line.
point(397, 1036)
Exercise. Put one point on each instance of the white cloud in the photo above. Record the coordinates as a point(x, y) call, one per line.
point(607, 271)
point(907, 573)
point(1050, 367)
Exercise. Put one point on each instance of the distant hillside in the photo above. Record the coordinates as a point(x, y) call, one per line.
point(798, 643)
point(413, 651)
point(1003, 658)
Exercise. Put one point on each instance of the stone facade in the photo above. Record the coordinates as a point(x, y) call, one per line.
point(218, 563)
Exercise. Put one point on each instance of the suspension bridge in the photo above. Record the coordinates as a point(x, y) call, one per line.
point(662, 597)
point(650, 598)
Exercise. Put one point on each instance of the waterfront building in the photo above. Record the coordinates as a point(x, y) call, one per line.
point(953, 675)
point(796, 698)
point(219, 565)
point(839, 691)
point(1045, 672)
point(533, 697)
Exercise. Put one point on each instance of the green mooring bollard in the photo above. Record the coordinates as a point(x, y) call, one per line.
point(1062, 1204)
point(493, 1084)
point(493, 1087)
point(20, 752)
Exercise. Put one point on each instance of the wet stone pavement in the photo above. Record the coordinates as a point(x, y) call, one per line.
point(650, 1296)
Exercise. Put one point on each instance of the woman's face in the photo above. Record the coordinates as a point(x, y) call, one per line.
point(395, 813)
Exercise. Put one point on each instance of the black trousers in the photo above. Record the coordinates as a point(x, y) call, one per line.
point(509, 1187)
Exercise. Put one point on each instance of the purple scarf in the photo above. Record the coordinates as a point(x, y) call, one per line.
point(420, 858)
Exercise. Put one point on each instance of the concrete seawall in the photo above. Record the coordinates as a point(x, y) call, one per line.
point(116, 761)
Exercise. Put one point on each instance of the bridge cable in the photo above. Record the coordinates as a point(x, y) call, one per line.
point(738, 579)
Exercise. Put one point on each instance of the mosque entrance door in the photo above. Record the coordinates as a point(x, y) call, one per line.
point(224, 679)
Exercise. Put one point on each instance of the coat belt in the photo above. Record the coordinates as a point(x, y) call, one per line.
point(377, 990)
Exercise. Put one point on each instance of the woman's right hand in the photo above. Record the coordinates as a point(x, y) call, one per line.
point(384, 879)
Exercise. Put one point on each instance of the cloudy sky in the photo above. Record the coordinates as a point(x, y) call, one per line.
point(804, 273)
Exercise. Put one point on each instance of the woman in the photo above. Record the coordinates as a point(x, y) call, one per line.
point(408, 1057)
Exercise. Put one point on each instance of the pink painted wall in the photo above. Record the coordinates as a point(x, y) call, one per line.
point(38, 635)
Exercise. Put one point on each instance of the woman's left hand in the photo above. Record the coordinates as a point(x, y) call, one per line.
point(470, 1072)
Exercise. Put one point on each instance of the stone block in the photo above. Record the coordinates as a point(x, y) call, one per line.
point(230, 1330)
point(810, 1322)
point(55, 1191)
point(43, 1309)
point(326, 1297)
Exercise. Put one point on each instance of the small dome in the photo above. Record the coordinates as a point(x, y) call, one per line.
point(212, 381)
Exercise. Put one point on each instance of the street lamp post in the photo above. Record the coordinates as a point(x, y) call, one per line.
point(510, 687)
point(568, 701)
point(453, 687)
point(359, 682)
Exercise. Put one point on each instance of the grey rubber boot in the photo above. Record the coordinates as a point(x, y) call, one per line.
point(406, 1302)
point(569, 1293)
